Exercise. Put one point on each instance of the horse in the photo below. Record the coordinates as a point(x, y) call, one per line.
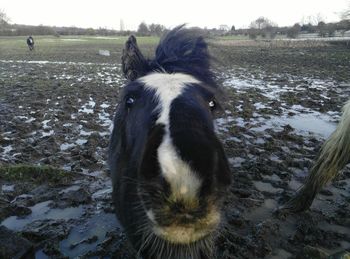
point(169, 169)
point(334, 155)
point(30, 43)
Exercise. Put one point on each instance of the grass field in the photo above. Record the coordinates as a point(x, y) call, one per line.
point(67, 48)
point(281, 100)
point(299, 58)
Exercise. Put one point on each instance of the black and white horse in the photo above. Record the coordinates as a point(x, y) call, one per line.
point(30, 43)
point(169, 169)
point(333, 157)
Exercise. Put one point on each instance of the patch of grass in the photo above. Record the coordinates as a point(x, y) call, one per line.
point(37, 174)
point(233, 37)
point(70, 48)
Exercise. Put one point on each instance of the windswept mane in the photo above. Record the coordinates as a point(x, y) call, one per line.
point(184, 50)
point(181, 50)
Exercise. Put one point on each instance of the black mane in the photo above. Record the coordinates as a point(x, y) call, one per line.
point(184, 50)
point(180, 50)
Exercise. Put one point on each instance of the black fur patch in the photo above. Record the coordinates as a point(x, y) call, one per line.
point(192, 132)
point(184, 50)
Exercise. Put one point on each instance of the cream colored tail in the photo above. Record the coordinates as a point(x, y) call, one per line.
point(334, 155)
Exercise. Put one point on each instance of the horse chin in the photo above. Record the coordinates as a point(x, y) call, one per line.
point(180, 235)
point(179, 241)
point(186, 234)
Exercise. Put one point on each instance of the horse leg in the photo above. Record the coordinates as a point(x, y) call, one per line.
point(334, 155)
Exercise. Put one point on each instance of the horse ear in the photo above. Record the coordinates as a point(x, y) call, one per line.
point(134, 64)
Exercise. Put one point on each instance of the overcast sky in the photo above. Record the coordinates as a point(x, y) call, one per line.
point(203, 13)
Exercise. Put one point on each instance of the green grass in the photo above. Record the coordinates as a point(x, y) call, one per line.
point(36, 174)
point(80, 48)
point(70, 48)
point(69, 40)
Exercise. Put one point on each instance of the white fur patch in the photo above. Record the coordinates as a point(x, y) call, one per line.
point(183, 181)
point(167, 87)
point(151, 216)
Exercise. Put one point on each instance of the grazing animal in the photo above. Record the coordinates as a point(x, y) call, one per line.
point(30, 43)
point(333, 157)
point(169, 170)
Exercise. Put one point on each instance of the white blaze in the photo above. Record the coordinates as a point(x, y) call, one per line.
point(183, 181)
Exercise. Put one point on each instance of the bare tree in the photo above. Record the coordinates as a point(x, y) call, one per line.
point(4, 19)
point(263, 27)
point(258, 23)
point(224, 27)
point(262, 23)
point(346, 14)
point(319, 18)
point(313, 20)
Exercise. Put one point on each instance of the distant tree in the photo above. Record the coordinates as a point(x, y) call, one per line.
point(322, 29)
point(346, 14)
point(263, 27)
point(308, 28)
point(4, 19)
point(253, 33)
point(233, 28)
point(331, 28)
point(143, 29)
point(313, 20)
point(262, 23)
point(258, 23)
point(294, 31)
point(90, 31)
point(319, 18)
point(343, 26)
point(224, 27)
point(156, 29)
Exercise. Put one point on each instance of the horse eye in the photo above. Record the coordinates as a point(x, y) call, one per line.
point(129, 102)
point(212, 105)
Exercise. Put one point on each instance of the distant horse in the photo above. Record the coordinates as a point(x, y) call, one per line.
point(333, 157)
point(30, 43)
point(169, 169)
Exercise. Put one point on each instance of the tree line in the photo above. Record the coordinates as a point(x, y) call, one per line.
point(262, 27)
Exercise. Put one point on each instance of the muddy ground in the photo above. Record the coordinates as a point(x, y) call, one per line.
point(281, 101)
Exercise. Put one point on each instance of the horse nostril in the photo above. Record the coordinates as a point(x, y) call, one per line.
point(177, 208)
